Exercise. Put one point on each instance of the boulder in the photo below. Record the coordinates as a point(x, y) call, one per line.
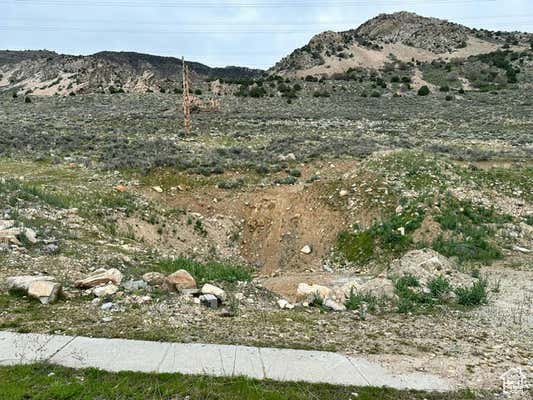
point(100, 277)
point(104, 291)
point(154, 278)
point(426, 265)
point(22, 283)
point(215, 291)
point(180, 280)
point(307, 292)
point(46, 292)
point(31, 235)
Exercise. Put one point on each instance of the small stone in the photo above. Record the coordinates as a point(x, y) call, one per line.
point(107, 319)
point(209, 300)
point(285, 305)
point(343, 193)
point(31, 236)
point(104, 291)
point(107, 306)
point(157, 189)
point(45, 291)
point(215, 291)
point(180, 280)
point(51, 248)
point(307, 249)
point(154, 278)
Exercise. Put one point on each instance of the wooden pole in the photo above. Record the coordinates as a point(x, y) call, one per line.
point(186, 98)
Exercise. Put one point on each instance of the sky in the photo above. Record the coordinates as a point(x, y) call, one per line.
point(252, 33)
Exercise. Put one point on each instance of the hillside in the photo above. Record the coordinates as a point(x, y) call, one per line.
point(389, 38)
point(48, 73)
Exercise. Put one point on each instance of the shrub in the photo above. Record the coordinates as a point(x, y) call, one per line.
point(27, 100)
point(15, 95)
point(395, 79)
point(375, 94)
point(444, 88)
point(356, 247)
point(289, 180)
point(356, 300)
point(449, 97)
point(424, 91)
point(473, 296)
point(439, 286)
point(198, 92)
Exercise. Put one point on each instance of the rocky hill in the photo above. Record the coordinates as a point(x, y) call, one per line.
point(389, 38)
point(48, 73)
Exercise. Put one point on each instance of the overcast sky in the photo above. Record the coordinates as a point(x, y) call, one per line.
point(254, 33)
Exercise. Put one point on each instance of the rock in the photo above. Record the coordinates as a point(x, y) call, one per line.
point(522, 250)
point(104, 291)
point(209, 300)
point(378, 287)
point(6, 224)
point(310, 292)
point(306, 249)
point(154, 278)
point(107, 306)
point(132, 285)
point(100, 277)
point(285, 305)
point(215, 291)
point(399, 209)
point(333, 305)
point(426, 265)
point(180, 280)
point(31, 236)
point(157, 189)
point(22, 283)
point(121, 188)
point(343, 193)
point(51, 248)
point(349, 287)
point(46, 292)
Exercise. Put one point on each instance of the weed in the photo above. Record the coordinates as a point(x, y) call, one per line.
point(473, 296)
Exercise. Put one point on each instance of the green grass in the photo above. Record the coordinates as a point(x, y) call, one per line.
point(212, 271)
point(383, 239)
point(356, 300)
point(470, 236)
point(475, 295)
point(48, 382)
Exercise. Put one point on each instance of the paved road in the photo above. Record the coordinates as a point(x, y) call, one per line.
point(206, 359)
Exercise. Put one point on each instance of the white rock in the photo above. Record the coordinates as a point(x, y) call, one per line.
point(157, 189)
point(215, 291)
point(333, 305)
point(22, 283)
point(343, 193)
point(285, 305)
point(107, 290)
point(45, 291)
point(306, 249)
point(30, 235)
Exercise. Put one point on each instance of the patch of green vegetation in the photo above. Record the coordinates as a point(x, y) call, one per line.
point(356, 247)
point(439, 287)
point(469, 237)
point(389, 238)
point(45, 382)
point(356, 300)
point(475, 295)
point(212, 271)
point(410, 297)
